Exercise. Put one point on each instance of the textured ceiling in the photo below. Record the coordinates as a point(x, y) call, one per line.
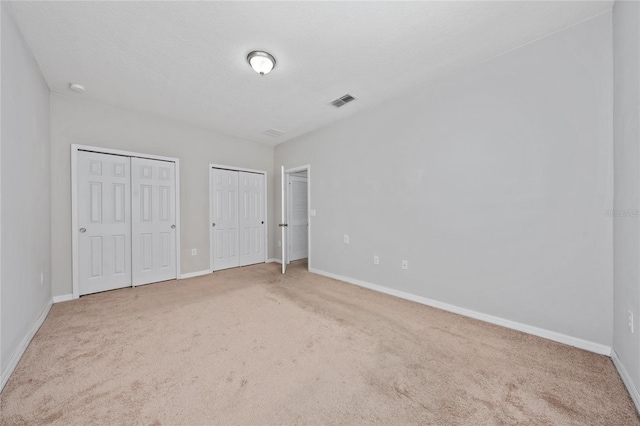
point(187, 60)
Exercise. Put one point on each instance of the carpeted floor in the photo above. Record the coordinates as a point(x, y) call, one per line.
point(250, 346)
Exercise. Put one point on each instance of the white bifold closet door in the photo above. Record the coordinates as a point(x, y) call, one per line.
point(225, 219)
point(238, 210)
point(251, 218)
point(126, 217)
point(153, 220)
point(104, 221)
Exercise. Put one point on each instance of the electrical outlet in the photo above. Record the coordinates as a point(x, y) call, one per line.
point(313, 212)
point(405, 264)
point(194, 252)
point(279, 243)
point(631, 322)
point(41, 277)
point(346, 239)
point(376, 260)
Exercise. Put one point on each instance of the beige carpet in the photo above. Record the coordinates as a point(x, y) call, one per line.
point(249, 346)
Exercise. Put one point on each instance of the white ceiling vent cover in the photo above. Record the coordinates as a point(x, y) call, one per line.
point(343, 100)
point(274, 133)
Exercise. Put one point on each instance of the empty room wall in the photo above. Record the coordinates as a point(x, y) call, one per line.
point(493, 184)
point(25, 212)
point(626, 133)
point(76, 121)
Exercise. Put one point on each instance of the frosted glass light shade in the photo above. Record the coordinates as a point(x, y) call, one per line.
point(261, 62)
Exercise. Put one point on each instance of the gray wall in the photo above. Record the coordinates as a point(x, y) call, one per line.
point(626, 134)
point(493, 185)
point(25, 212)
point(75, 121)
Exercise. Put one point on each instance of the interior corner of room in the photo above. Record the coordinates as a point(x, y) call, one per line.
point(506, 190)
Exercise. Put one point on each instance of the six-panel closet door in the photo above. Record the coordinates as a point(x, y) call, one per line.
point(224, 198)
point(104, 221)
point(153, 224)
point(126, 208)
point(251, 218)
point(238, 214)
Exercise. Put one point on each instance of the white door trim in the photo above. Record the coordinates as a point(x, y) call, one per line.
point(285, 206)
point(74, 208)
point(266, 209)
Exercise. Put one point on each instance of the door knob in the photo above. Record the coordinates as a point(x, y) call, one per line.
point(213, 224)
point(173, 227)
point(263, 222)
point(83, 230)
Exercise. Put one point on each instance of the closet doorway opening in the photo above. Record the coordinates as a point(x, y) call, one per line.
point(237, 216)
point(296, 212)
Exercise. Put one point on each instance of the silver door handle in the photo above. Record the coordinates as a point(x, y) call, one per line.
point(83, 230)
point(282, 225)
point(173, 227)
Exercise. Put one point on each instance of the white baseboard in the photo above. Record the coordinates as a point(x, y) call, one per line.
point(626, 379)
point(63, 298)
point(540, 332)
point(272, 260)
point(17, 354)
point(194, 274)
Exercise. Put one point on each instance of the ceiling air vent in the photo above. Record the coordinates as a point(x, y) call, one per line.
point(342, 100)
point(274, 133)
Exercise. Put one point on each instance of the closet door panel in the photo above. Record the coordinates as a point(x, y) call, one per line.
point(224, 225)
point(104, 221)
point(251, 222)
point(153, 222)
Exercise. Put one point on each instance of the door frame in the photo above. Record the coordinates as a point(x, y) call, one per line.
point(74, 206)
point(285, 210)
point(266, 209)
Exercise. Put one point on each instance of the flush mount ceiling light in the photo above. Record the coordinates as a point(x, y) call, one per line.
point(261, 62)
point(78, 88)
